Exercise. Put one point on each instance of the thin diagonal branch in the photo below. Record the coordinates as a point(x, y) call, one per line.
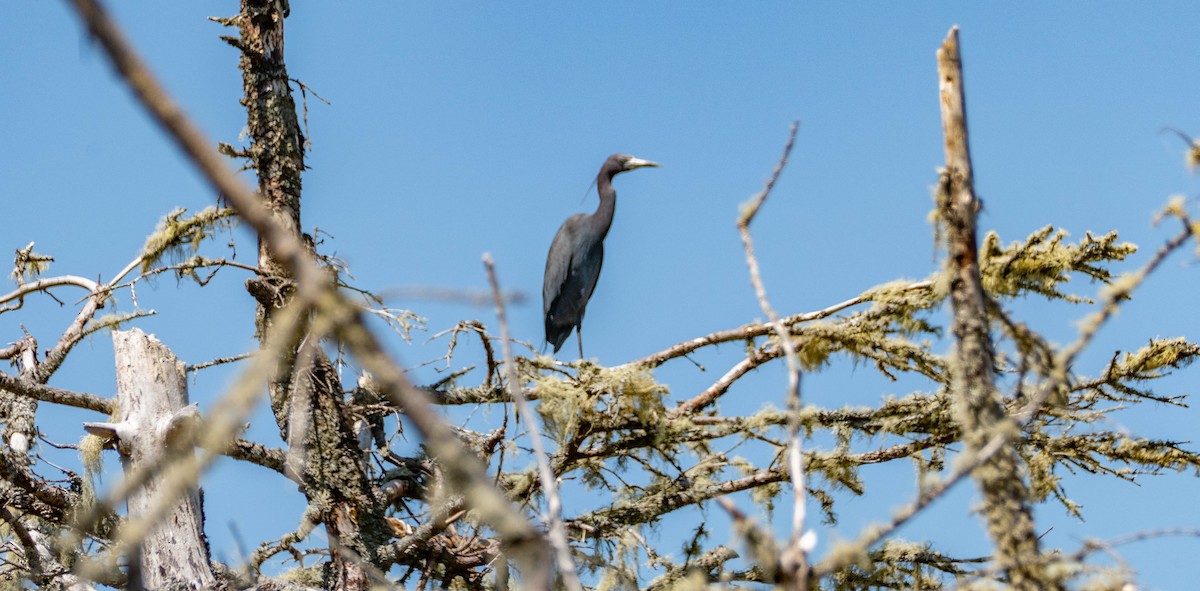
point(794, 562)
point(553, 514)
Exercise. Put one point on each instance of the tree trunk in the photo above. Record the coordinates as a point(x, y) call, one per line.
point(152, 399)
point(306, 394)
point(977, 404)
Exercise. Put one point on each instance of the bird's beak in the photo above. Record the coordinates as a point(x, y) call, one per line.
point(639, 163)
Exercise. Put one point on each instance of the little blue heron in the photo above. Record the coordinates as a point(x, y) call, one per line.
point(576, 254)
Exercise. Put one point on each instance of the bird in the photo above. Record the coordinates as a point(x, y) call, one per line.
point(576, 255)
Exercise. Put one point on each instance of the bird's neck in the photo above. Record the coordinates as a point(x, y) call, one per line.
point(608, 202)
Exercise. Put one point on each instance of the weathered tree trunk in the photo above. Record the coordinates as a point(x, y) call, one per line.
point(977, 403)
point(306, 397)
point(17, 413)
point(152, 399)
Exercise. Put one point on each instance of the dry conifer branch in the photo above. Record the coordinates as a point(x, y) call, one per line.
point(1120, 291)
point(254, 453)
point(1114, 296)
point(14, 350)
point(750, 331)
point(977, 406)
point(966, 465)
point(79, 327)
point(308, 522)
point(553, 514)
point(873, 534)
point(21, 410)
point(189, 267)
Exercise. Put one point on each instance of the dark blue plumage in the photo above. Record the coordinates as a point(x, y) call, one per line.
point(576, 255)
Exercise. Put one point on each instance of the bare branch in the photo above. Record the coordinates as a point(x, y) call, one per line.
point(42, 285)
point(750, 331)
point(795, 559)
point(219, 361)
point(79, 327)
point(53, 395)
point(722, 385)
point(553, 514)
point(308, 522)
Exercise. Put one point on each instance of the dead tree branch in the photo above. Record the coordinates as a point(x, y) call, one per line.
point(977, 404)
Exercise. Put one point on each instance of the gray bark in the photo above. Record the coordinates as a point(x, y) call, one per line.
point(152, 398)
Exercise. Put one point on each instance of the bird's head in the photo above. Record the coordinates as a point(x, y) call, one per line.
point(627, 162)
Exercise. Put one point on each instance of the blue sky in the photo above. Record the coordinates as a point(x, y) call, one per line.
point(463, 128)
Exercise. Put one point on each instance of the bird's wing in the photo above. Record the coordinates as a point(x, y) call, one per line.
point(558, 261)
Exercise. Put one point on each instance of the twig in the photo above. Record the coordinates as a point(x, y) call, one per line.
point(553, 514)
point(114, 322)
point(795, 558)
point(1090, 546)
point(218, 361)
point(191, 265)
point(484, 339)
